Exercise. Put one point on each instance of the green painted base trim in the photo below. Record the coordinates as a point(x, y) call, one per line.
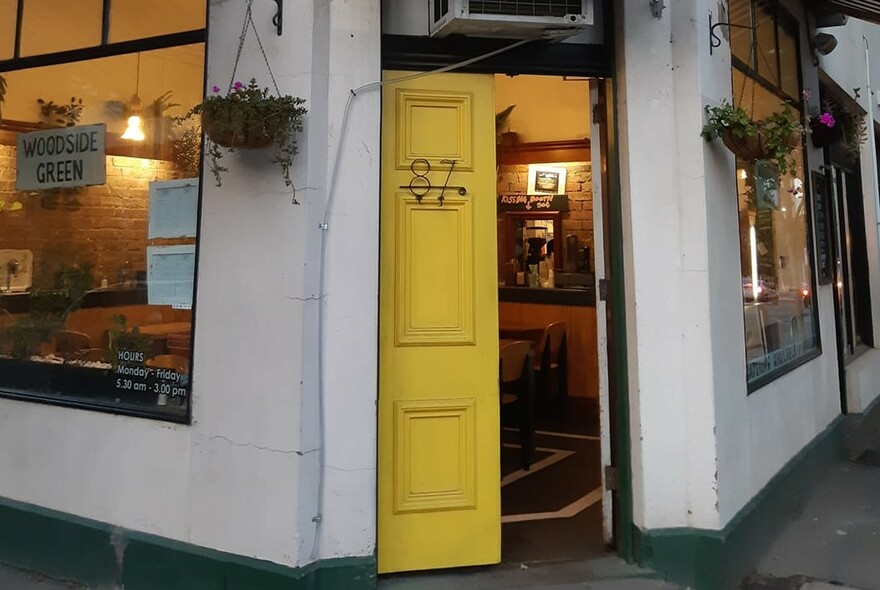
point(96, 554)
point(718, 560)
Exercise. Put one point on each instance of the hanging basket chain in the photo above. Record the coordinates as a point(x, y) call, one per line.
point(249, 24)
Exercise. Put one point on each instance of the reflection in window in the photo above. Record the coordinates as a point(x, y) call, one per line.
point(135, 19)
point(49, 26)
point(788, 57)
point(776, 261)
point(7, 28)
point(740, 36)
point(96, 279)
point(766, 54)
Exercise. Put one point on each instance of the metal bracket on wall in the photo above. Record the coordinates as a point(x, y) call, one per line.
point(715, 40)
point(278, 19)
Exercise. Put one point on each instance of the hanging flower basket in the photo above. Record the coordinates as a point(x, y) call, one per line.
point(773, 138)
point(748, 147)
point(249, 117)
point(825, 131)
point(223, 128)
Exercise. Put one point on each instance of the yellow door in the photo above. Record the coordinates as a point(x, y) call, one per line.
point(439, 436)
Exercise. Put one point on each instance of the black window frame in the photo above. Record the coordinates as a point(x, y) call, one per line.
point(785, 21)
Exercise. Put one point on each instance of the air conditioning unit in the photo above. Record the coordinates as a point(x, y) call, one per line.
point(514, 19)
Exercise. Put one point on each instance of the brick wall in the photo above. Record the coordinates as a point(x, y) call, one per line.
point(513, 179)
point(102, 225)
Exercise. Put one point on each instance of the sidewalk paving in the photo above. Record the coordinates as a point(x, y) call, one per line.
point(13, 579)
point(836, 539)
point(605, 573)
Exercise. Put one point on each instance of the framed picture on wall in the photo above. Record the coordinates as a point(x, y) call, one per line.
point(546, 180)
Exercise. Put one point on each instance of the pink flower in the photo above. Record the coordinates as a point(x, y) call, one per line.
point(215, 89)
point(827, 119)
point(237, 86)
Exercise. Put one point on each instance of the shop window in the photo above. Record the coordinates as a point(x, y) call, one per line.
point(98, 207)
point(50, 26)
point(781, 324)
point(135, 19)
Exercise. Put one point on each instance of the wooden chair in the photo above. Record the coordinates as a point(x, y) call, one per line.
point(68, 342)
point(517, 385)
point(179, 343)
point(551, 363)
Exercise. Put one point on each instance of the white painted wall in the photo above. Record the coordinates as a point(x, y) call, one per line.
point(702, 448)
point(664, 191)
point(243, 477)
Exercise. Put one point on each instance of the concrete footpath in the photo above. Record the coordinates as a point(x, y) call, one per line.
point(835, 540)
point(13, 579)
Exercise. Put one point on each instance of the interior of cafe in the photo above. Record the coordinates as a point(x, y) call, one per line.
point(551, 482)
point(96, 265)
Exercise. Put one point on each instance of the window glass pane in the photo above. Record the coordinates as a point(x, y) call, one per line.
point(788, 58)
point(766, 34)
point(741, 38)
point(49, 26)
point(8, 10)
point(776, 262)
point(135, 19)
point(95, 296)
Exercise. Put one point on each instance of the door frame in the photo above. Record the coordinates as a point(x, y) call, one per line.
point(623, 542)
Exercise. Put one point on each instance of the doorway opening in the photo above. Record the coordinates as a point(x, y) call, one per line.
point(551, 484)
point(494, 405)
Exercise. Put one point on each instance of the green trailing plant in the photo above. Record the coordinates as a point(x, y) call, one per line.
point(49, 309)
point(120, 338)
point(186, 151)
point(61, 115)
point(249, 117)
point(773, 138)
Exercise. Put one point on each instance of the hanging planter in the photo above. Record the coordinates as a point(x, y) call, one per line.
point(824, 130)
point(223, 127)
point(773, 138)
point(250, 117)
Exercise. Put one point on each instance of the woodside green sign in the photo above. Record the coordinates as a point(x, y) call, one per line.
point(61, 158)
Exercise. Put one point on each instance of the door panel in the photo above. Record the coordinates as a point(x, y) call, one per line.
point(439, 434)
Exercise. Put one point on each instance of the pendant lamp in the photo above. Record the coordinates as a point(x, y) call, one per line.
point(134, 131)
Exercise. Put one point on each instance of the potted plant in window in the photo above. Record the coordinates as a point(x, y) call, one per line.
point(60, 115)
point(249, 117)
point(772, 138)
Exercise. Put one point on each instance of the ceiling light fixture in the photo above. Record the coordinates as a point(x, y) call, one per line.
point(135, 129)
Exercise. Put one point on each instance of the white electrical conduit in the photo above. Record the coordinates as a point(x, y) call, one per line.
point(325, 226)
